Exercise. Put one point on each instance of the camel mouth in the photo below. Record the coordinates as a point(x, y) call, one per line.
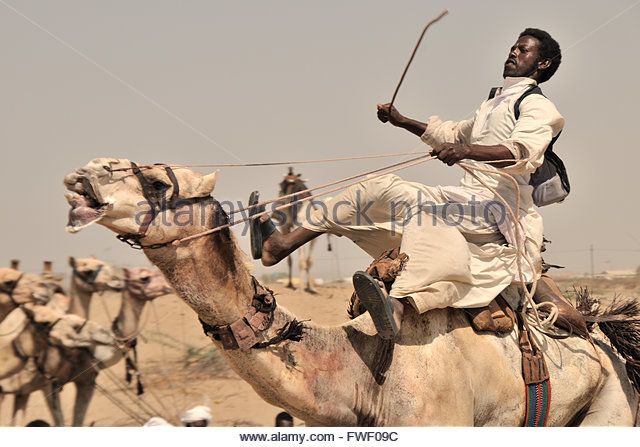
point(86, 208)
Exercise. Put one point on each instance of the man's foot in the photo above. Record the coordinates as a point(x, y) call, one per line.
point(267, 243)
point(386, 312)
point(273, 248)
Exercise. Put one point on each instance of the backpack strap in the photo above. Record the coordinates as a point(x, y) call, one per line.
point(494, 91)
point(549, 155)
point(534, 90)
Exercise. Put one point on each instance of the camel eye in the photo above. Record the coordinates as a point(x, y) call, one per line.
point(159, 186)
point(145, 279)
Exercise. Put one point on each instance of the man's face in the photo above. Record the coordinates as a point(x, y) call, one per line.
point(523, 58)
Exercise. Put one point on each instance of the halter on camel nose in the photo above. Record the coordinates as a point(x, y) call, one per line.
point(89, 278)
point(156, 205)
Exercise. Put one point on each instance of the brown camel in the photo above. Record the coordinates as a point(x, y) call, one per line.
point(436, 372)
point(80, 366)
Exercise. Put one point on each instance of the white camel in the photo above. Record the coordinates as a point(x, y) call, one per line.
point(436, 372)
point(60, 365)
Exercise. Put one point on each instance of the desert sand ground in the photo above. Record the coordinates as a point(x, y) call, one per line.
point(180, 368)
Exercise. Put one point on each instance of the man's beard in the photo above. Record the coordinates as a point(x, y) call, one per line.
point(521, 72)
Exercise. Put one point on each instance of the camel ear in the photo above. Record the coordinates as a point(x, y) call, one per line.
point(127, 272)
point(72, 262)
point(207, 184)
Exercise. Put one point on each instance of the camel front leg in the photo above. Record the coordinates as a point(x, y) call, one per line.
point(52, 395)
point(19, 408)
point(305, 268)
point(290, 265)
point(84, 393)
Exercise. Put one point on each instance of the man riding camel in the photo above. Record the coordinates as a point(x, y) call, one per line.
point(464, 246)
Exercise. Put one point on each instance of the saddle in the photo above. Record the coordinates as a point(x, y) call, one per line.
point(497, 317)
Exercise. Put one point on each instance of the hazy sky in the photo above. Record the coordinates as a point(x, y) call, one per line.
point(252, 81)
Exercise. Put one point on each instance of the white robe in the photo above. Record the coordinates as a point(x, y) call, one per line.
point(461, 253)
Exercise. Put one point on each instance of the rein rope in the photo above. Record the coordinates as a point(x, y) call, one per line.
point(135, 240)
point(409, 163)
point(520, 246)
point(274, 163)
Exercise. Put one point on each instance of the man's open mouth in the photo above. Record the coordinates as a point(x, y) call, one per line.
point(86, 208)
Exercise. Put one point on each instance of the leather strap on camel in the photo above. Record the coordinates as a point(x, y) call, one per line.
point(244, 333)
point(88, 278)
point(157, 203)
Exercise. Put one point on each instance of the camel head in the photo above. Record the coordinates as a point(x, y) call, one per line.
point(146, 284)
point(94, 275)
point(23, 288)
point(110, 192)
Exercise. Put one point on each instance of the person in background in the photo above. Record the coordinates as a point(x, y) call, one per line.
point(38, 423)
point(284, 419)
point(157, 422)
point(199, 416)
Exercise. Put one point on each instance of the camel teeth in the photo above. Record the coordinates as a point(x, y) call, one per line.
point(72, 196)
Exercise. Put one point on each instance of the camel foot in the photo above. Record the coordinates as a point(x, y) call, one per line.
point(290, 286)
point(310, 290)
point(385, 311)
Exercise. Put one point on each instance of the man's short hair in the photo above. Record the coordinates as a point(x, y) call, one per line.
point(548, 49)
point(38, 423)
point(283, 416)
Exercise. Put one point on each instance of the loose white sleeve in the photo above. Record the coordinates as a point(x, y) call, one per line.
point(439, 132)
point(538, 123)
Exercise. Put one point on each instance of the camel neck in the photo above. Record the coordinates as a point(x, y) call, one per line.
point(128, 319)
point(210, 275)
point(80, 299)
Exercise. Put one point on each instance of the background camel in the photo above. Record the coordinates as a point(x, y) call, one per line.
point(33, 333)
point(81, 366)
point(88, 276)
point(437, 371)
point(21, 299)
point(289, 219)
point(18, 288)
